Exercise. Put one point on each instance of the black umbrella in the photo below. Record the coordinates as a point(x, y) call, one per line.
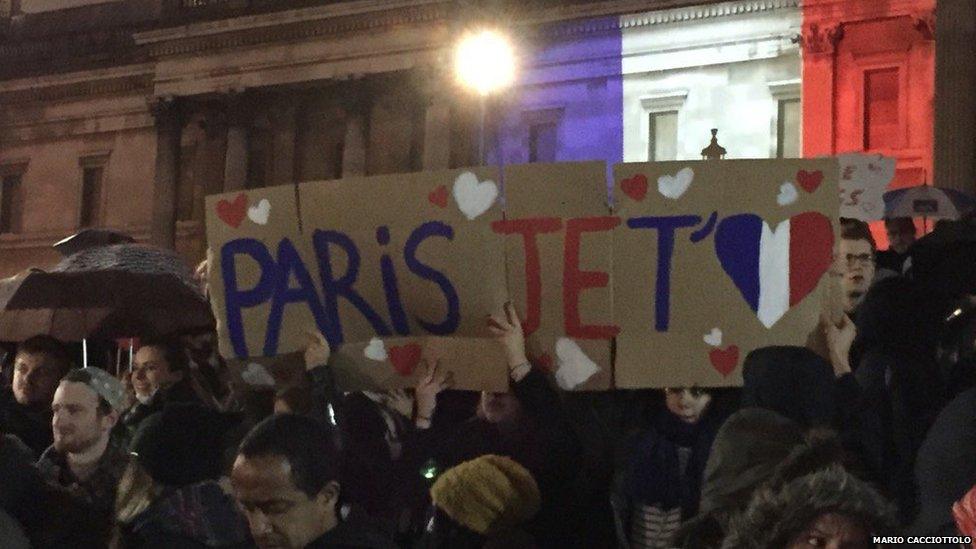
point(91, 238)
point(106, 292)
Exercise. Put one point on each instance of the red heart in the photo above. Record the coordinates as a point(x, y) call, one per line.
point(635, 187)
point(438, 197)
point(725, 361)
point(544, 362)
point(405, 358)
point(809, 180)
point(232, 213)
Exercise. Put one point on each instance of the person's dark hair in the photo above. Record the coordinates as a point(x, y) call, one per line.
point(855, 229)
point(903, 224)
point(310, 448)
point(47, 345)
point(81, 376)
point(298, 398)
point(173, 351)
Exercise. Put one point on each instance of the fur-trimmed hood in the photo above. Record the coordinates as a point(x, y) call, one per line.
point(774, 517)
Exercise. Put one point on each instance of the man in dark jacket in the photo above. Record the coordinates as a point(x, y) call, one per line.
point(286, 480)
point(25, 409)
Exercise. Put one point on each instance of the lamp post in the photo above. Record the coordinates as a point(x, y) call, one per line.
point(484, 62)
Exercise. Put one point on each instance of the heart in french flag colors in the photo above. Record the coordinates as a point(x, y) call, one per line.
point(775, 268)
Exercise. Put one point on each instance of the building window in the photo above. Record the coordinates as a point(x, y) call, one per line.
point(662, 132)
point(788, 129)
point(881, 116)
point(542, 142)
point(11, 203)
point(91, 196)
point(542, 126)
point(92, 181)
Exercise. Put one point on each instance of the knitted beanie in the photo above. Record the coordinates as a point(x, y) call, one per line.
point(487, 495)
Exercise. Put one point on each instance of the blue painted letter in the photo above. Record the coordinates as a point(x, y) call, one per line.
point(290, 262)
point(666, 226)
point(421, 233)
point(235, 299)
point(333, 287)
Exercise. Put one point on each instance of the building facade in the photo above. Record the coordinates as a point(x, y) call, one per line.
point(127, 113)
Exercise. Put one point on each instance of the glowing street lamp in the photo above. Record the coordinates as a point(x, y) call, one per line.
point(484, 62)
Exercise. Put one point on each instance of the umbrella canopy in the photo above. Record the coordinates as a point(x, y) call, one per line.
point(927, 201)
point(111, 291)
point(91, 238)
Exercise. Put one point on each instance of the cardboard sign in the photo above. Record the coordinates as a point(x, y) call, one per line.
point(700, 263)
point(863, 182)
point(559, 243)
point(713, 259)
point(388, 256)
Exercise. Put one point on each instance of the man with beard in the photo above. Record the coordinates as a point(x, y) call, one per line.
point(25, 409)
point(84, 459)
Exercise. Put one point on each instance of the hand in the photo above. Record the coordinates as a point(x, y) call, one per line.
point(399, 400)
point(509, 333)
point(317, 350)
point(431, 383)
point(839, 341)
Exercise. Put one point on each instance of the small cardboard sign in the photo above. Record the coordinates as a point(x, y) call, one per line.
point(863, 181)
point(715, 259)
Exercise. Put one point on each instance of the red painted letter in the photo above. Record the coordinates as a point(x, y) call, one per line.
point(575, 281)
point(529, 228)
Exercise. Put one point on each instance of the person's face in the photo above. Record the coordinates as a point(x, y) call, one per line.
point(36, 377)
point(856, 266)
point(77, 425)
point(150, 371)
point(900, 237)
point(687, 404)
point(280, 515)
point(833, 531)
point(499, 407)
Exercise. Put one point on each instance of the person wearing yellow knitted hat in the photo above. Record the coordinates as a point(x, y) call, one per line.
point(483, 501)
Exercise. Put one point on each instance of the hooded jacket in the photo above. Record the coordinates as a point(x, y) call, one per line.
point(747, 449)
point(776, 516)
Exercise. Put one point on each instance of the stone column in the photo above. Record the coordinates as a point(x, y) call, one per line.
point(169, 125)
point(284, 131)
point(354, 146)
point(437, 133)
point(955, 95)
point(235, 158)
point(819, 42)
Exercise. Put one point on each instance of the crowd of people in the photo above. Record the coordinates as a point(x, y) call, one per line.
point(866, 432)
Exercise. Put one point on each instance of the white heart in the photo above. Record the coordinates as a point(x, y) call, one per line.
point(575, 368)
point(787, 194)
point(474, 198)
point(673, 186)
point(714, 338)
point(259, 212)
point(376, 350)
point(256, 375)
